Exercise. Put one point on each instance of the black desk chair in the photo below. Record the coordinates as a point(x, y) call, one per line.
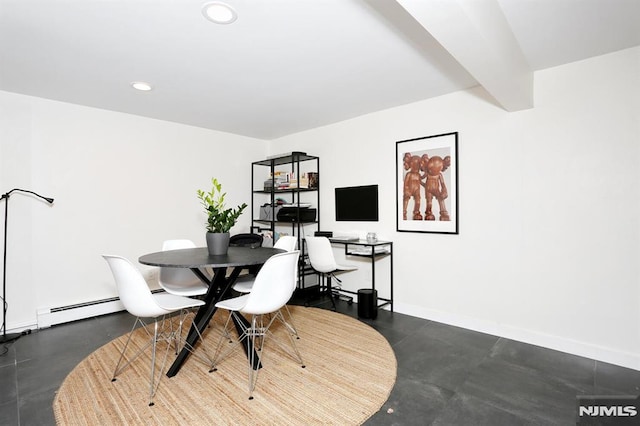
point(247, 240)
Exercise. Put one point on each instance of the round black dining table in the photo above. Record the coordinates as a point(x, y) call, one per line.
point(220, 284)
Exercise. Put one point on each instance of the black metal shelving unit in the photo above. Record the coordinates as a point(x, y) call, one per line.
point(295, 163)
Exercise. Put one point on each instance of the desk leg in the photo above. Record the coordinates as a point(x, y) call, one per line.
point(373, 270)
point(391, 271)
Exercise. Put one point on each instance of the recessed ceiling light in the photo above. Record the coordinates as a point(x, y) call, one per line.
point(141, 85)
point(219, 12)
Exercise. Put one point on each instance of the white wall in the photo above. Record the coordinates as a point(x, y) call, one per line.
point(548, 250)
point(122, 184)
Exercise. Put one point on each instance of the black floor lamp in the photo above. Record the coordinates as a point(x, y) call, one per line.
point(12, 336)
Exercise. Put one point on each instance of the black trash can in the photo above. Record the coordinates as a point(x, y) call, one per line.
point(367, 303)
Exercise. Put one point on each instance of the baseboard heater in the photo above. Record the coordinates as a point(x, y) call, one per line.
point(52, 316)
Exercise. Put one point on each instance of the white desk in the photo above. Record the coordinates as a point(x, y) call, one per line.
point(373, 251)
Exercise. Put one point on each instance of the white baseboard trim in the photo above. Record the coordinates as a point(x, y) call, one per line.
point(574, 347)
point(46, 317)
point(20, 327)
point(52, 316)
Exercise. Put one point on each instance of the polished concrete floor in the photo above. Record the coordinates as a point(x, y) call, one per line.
point(446, 375)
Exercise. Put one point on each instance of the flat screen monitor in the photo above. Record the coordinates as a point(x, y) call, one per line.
point(357, 203)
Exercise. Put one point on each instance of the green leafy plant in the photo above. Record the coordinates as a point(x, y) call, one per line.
point(219, 218)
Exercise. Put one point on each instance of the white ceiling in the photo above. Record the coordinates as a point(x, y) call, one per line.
point(290, 65)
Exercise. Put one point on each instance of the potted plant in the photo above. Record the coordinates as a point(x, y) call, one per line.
point(219, 218)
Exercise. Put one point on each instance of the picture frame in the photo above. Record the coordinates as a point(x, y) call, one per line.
point(427, 184)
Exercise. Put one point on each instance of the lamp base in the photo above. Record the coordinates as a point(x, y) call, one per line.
point(9, 337)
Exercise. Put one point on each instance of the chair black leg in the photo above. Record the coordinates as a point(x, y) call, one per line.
point(330, 291)
point(325, 287)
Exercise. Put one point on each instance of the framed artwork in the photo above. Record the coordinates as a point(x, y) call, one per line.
point(427, 184)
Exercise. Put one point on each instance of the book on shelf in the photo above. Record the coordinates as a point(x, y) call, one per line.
point(307, 181)
point(344, 238)
point(288, 180)
point(367, 250)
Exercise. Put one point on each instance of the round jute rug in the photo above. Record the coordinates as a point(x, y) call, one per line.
point(350, 371)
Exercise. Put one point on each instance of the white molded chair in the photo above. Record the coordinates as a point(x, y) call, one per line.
point(322, 261)
point(286, 242)
point(180, 281)
point(245, 283)
point(140, 302)
point(272, 289)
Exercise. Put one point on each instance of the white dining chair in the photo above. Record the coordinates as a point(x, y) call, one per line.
point(245, 284)
point(138, 300)
point(322, 261)
point(272, 289)
point(180, 281)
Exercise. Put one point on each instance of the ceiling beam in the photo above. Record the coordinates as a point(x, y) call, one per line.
point(477, 35)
